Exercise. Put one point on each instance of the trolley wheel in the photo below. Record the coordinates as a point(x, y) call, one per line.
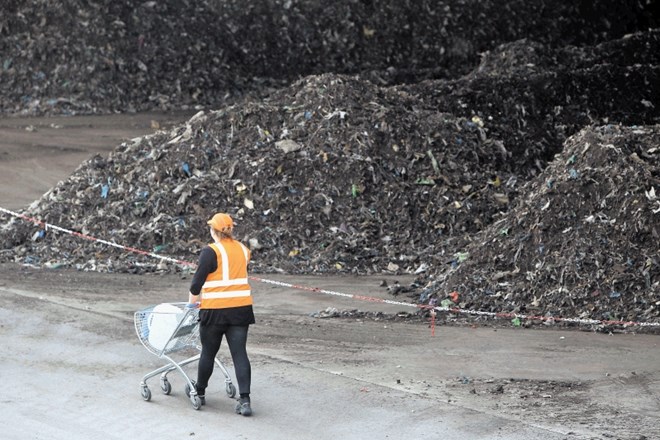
point(188, 388)
point(196, 402)
point(146, 393)
point(231, 389)
point(166, 386)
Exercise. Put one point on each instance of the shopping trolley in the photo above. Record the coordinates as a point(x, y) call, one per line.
point(169, 328)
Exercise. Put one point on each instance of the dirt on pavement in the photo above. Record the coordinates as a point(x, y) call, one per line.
point(75, 362)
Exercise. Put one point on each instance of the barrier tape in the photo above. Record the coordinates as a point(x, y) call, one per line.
point(433, 309)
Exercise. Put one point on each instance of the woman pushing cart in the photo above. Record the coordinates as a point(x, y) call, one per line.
point(219, 305)
point(221, 290)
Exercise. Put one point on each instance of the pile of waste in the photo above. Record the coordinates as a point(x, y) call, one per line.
point(79, 56)
point(518, 177)
point(583, 240)
point(330, 174)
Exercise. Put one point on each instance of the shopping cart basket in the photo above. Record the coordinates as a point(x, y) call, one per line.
point(166, 329)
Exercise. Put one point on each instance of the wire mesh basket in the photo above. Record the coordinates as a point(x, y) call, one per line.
point(167, 328)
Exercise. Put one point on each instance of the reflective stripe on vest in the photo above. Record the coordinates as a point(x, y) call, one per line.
point(228, 285)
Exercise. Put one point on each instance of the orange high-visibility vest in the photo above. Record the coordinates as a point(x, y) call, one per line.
point(228, 285)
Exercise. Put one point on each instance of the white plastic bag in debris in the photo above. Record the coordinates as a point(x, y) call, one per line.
point(162, 322)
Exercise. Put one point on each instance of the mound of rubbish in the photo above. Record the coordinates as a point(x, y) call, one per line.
point(331, 174)
point(337, 174)
point(537, 96)
point(134, 55)
point(581, 242)
point(446, 140)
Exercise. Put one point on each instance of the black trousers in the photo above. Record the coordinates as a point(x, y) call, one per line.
point(211, 337)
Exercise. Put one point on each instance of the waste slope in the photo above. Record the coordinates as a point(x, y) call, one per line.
point(336, 173)
point(331, 174)
point(582, 242)
point(78, 56)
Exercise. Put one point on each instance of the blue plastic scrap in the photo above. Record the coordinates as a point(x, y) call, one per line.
point(186, 169)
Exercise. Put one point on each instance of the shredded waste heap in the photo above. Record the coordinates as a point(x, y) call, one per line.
point(526, 179)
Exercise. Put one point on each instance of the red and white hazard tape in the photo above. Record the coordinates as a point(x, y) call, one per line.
point(47, 226)
point(456, 310)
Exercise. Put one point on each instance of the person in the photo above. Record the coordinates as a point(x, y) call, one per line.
point(221, 290)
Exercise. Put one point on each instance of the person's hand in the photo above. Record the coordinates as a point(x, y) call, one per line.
point(192, 305)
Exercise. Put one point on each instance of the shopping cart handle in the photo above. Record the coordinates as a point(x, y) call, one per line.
point(192, 305)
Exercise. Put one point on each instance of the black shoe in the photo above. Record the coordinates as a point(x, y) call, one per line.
point(202, 399)
point(243, 407)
